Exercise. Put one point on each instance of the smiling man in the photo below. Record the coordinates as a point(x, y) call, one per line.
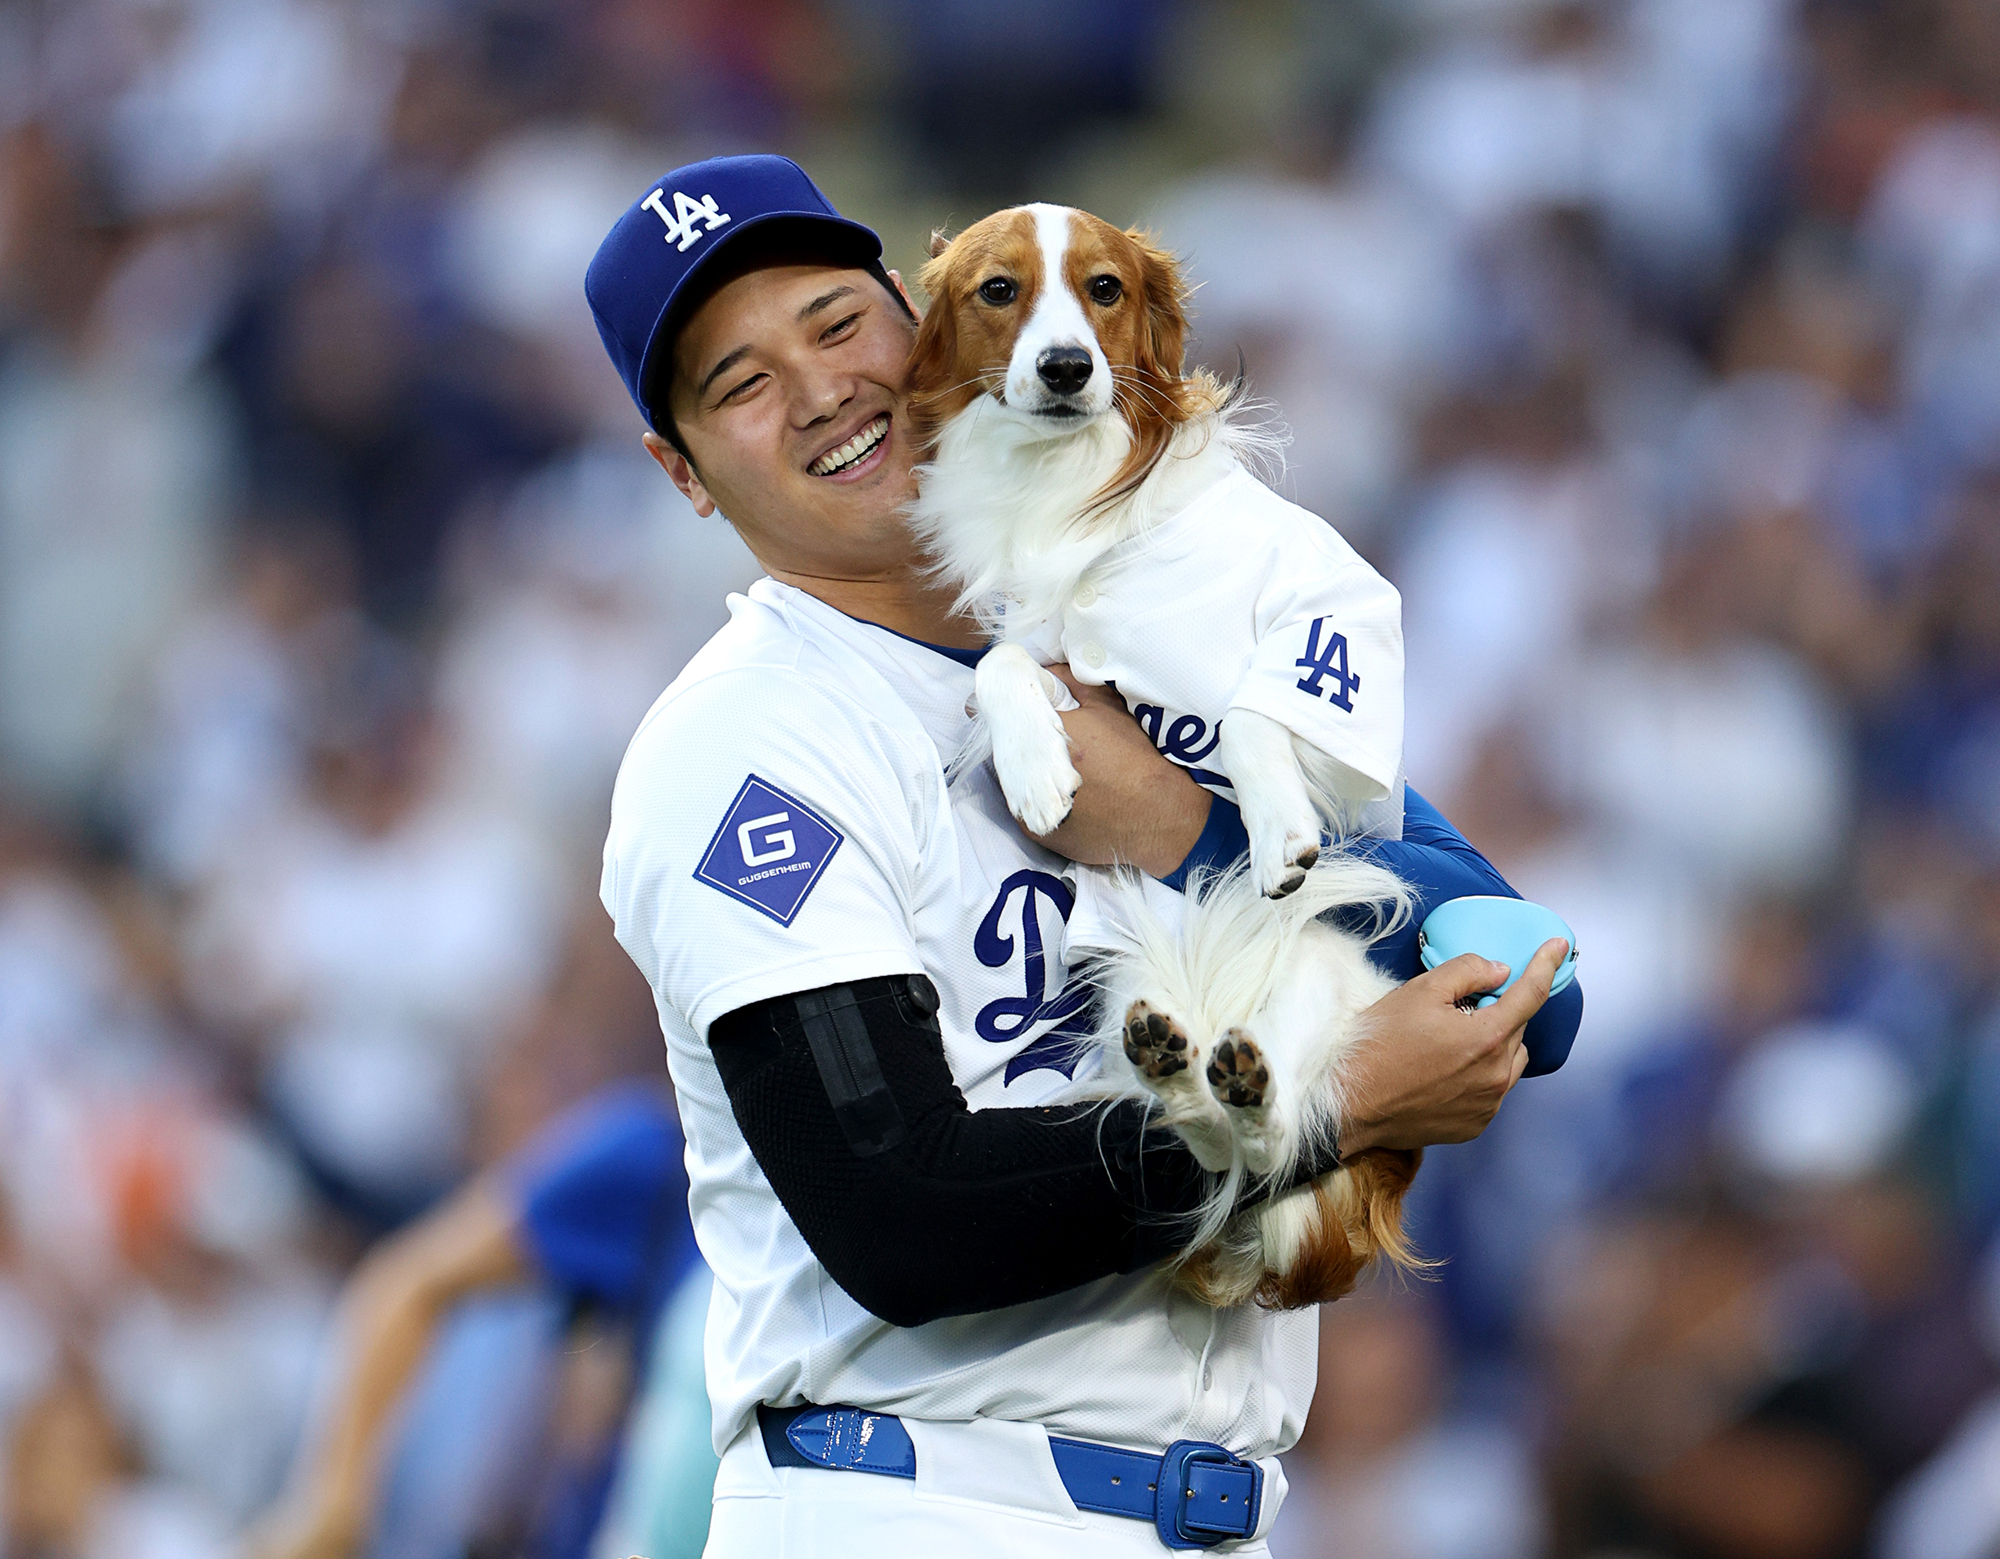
point(927, 1267)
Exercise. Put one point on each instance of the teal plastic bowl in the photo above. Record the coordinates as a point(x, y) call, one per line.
point(1506, 930)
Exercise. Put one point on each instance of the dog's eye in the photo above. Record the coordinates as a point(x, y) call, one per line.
point(1106, 289)
point(997, 290)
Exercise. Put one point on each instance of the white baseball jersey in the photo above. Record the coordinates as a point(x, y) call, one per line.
point(782, 822)
point(1241, 600)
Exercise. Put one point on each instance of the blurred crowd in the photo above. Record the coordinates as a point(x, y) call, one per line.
point(1652, 348)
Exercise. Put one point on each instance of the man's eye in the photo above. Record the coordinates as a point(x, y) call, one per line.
point(839, 328)
point(754, 379)
point(998, 289)
point(1106, 289)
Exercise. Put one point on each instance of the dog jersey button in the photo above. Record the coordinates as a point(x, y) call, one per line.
point(1086, 595)
point(1093, 655)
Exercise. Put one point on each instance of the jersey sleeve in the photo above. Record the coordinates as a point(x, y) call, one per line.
point(1328, 665)
point(766, 836)
point(603, 1198)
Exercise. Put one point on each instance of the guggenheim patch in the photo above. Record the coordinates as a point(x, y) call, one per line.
point(769, 851)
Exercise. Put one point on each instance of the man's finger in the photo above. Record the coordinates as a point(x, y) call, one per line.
point(1520, 1062)
point(1466, 975)
point(1524, 998)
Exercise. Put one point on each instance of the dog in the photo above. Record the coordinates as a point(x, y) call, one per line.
point(1091, 502)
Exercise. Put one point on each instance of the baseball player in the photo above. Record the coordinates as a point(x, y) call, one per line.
point(938, 1323)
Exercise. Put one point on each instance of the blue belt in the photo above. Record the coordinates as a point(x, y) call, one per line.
point(1196, 1495)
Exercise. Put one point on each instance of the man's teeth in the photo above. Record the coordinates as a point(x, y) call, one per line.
point(839, 459)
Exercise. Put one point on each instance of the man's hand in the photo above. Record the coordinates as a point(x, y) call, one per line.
point(1133, 806)
point(1431, 1071)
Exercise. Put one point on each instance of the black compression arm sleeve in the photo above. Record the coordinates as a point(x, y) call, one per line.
point(916, 1205)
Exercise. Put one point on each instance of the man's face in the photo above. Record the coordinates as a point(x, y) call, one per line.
point(788, 391)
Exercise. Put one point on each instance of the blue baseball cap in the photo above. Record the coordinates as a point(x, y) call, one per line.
point(644, 279)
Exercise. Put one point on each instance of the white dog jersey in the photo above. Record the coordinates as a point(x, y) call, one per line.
point(1289, 620)
point(781, 822)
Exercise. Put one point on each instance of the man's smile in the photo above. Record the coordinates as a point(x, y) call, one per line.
point(855, 457)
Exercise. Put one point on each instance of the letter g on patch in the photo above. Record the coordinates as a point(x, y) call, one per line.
point(779, 844)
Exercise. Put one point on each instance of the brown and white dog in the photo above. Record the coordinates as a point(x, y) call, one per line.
point(1061, 432)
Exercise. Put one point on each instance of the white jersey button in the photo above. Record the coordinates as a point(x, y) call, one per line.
point(1093, 655)
point(1086, 595)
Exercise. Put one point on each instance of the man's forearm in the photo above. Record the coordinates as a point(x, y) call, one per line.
point(1134, 808)
point(390, 1315)
point(940, 1210)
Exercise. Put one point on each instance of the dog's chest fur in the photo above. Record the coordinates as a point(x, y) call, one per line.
point(1006, 517)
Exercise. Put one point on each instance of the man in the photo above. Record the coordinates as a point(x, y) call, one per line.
point(859, 972)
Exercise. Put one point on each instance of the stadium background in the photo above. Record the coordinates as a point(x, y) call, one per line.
point(1651, 346)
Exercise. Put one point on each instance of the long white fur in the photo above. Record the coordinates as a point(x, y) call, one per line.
point(1239, 959)
point(1000, 509)
point(1001, 505)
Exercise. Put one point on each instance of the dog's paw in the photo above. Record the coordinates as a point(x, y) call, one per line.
point(1237, 1073)
point(1155, 1044)
point(1041, 804)
point(1038, 780)
point(1284, 846)
point(1279, 868)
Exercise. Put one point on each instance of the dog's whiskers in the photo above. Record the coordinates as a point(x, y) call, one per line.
point(1138, 387)
point(1132, 397)
point(981, 379)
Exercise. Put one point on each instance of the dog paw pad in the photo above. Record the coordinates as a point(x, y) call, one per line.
point(1237, 1073)
point(1154, 1043)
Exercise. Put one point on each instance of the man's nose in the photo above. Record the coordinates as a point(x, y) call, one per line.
point(822, 396)
point(1064, 369)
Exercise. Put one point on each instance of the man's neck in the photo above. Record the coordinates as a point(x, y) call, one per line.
point(904, 603)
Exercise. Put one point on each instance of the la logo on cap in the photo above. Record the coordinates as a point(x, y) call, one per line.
point(681, 229)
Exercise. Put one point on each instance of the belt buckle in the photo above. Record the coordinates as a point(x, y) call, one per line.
point(1216, 1518)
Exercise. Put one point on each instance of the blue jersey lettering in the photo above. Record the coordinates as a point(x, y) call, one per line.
point(1005, 1020)
point(1330, 661)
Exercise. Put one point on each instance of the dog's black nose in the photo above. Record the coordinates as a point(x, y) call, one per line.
point(1064, 369)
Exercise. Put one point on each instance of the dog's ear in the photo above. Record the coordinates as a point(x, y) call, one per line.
point(1164, 404)
point(940, 241)
point(1163, 342)
point(931, 357)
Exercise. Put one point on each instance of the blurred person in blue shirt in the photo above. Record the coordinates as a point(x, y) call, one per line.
point(593, 1211)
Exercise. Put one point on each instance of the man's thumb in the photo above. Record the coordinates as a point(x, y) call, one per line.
point(1469, 975)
